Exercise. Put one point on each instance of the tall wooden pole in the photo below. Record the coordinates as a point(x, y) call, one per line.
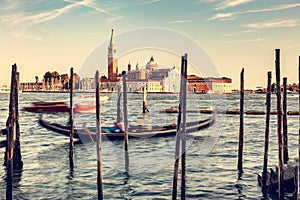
point(119, 104)
point(11, 136)
point(178, 135)
point(71, 112)
point(99, 139)
point(145, 109)
point(279, 125)
point(241, 132)
point(284, 123)
point(183, 133)
point(125, 123)
point(18, 163)
point(298, 174)
point(268, 110)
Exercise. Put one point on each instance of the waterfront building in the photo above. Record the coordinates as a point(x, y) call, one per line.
point(221, 85)
point(31, 86)
point(209, 85)
point(198, 84)
point(139, 85)
point(87, 84)
point(154, 78)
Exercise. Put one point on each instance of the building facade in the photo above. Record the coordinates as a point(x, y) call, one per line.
point(209, 85)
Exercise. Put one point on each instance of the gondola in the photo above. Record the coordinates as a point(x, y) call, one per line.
point(139, 132)
point(47, 107)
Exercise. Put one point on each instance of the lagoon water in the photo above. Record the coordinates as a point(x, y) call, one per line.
point(211, 153)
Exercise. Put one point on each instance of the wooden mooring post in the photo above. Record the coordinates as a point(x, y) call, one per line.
point(268, 110)
point(119, 105)
point(279, 126)
point(298, 170)
point(145, 109)
point(71, 113)
point(241, 131)
point(126, 149)
point(18, 163)
point(178, 134)
point(284, 123)
point(183, 133)
point(99, 139)
point(13, 158)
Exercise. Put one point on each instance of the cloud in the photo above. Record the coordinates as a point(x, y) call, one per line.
point(231, 3)
point(149, 2)
point(207, 1)
point(20, 20)
point(238, 33)
point(246, 40)
point(233, 15)
point(92, 4)
point(46, 16)
point(180, 21)
point(223, 16)
point(278, 23)
point(274, 8)
point(253, 40)
point(113, 19)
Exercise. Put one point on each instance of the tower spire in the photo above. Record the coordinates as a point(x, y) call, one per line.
point(151, 59)
point(112, 58)
point(112, 39)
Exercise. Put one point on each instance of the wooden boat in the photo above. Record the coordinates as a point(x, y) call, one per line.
point(288, 178)
point(4, 89)
point(47, 107)
point(81, 108)
point(138, 132)
point(87, 103)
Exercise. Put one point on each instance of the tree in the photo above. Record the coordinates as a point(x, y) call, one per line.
point(56, 78)
point(64, 81)
point(47, 79)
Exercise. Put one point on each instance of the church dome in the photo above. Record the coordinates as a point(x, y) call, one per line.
point(151, 65)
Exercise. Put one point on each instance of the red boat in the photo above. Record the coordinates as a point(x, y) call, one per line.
point(82, 108)
point(47, 107)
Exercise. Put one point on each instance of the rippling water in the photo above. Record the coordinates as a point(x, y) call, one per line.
point(211, 154)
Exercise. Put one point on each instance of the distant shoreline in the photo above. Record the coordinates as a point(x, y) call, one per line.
point(79, 91)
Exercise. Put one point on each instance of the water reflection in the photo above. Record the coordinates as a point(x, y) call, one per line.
point(239, 186)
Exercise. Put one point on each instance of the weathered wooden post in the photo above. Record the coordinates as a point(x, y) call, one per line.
point(183, 133)
point(241, 132)
point(279, 125)
point(284, 123)
point(178, 135)
point(126, 150)
point(268, 110)
point(298, 170)
point(18, 163)
point(145, 109)
point(119, 105)
point(71, 112)
point(11, 135)
point(99, 139)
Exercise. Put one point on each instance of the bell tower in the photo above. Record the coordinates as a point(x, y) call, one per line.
point(112, 58)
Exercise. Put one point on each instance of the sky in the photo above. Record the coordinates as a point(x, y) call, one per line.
point(42, 35)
